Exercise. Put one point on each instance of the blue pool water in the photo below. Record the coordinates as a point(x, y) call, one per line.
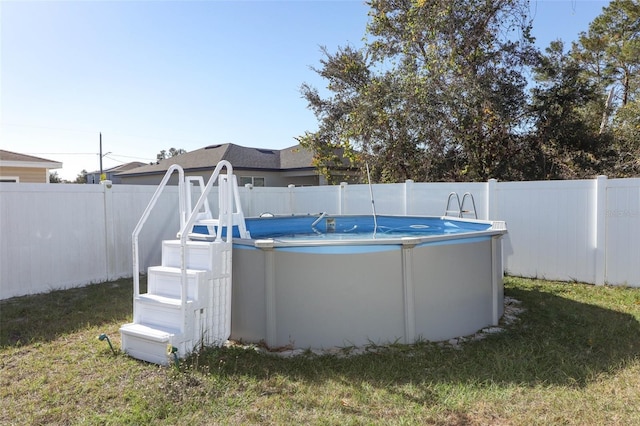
point(356, 227)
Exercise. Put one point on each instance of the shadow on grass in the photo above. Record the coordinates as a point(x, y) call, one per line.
point(556, 341)
point(44, 317)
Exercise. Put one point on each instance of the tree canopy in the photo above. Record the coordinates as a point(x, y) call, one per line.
point(54, 177)
point(173, 152)
point(81, 177)
point(439, 92)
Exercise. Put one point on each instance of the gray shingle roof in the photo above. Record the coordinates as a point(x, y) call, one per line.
point(121, 167)
point(240, 157)
point(295, 156)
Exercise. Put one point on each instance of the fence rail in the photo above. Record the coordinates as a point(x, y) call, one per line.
point(60, 236)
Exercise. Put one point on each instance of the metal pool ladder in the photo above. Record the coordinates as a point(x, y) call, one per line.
point(460, 212)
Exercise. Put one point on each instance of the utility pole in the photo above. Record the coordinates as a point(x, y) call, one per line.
point(100, 155)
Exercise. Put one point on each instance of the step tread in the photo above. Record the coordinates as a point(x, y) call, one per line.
point(174, 270)
point(155, 333)
point(215, 221)
point(194, 236)
point(161, 299)
point(191, 243)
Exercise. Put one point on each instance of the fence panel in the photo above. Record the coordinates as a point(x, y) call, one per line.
point(315, 199)
point(53, 237)
point(265, 200)
point(430, 199)
point(163, 223)
point(551, 228)
point(58, 236)
point(623, 232)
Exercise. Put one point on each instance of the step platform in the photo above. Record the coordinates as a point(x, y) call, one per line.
point(165, 281)
point(149, 343)
point(159, 321)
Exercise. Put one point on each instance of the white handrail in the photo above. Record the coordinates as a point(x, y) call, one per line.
point(186, 223)
point(145, 216)
point(227, 205)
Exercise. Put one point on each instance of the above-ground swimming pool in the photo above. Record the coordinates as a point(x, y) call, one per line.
point(332, 281)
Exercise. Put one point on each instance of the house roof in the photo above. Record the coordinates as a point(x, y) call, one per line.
point(15, 159)
point(121, 168)
point(294, 157)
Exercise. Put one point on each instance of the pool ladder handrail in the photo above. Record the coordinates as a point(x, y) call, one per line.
point(315, 222)
point(228, 187)
point(461, 210)
point(145, 215)
point(189, 215)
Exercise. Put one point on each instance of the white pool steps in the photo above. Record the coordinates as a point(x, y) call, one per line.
point(188, 300)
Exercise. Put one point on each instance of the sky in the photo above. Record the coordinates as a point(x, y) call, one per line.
point(153, 75)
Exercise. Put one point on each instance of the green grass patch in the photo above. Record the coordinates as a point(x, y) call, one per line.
point(571, 357)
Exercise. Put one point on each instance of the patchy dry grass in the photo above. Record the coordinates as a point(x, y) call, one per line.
point(572, 357)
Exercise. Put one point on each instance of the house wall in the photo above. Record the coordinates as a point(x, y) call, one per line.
point(94, 178)
point(278, 178)
point(271, 178)
point(58, 236)
point(145, 180)
point(26, 174)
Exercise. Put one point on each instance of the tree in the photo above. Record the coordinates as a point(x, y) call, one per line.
point(363, 121)
point(54, 177)
point(626, 131)
point(565, 128)
point(436, 93)
point(610, 54)
point(611, 48)
point(82, 177)
point(163, 155)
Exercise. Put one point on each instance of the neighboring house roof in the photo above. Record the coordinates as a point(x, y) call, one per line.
point(292, 158)
point(121, 168)
point(14, 159)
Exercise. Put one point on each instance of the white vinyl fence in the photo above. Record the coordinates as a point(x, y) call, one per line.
point(59, 236)
point(56, 236)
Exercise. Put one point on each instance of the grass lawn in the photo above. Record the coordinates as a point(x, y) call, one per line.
point(572, 357)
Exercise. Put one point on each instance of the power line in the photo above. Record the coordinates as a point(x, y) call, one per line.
point(135, 158)
point(110, 155)
point(116, 133)
point(60, 153)
point(31, 126)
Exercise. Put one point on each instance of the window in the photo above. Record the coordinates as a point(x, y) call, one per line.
point(253, 180)
point(15, 179)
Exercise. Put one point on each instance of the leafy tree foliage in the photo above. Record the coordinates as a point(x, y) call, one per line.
point(54, 177)
point(461, 63)
point(610, 55)
point(173, 152)
point(626, 132)
point(436, 94)
point(611, 48)
point(569, 143)
point(82, 177)
point(584, 108)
